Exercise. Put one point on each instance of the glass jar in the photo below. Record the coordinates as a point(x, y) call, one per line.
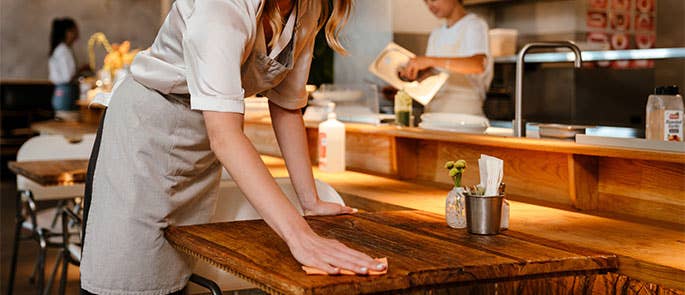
point(403, 108)
point(665, 115)
point(455, 205)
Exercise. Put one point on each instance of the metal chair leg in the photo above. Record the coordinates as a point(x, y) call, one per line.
point(60, 205)
point(51, 279)
point(15, 246)
point(40, 279)
point(64, 275)
point(34, 274)
point(207, 283)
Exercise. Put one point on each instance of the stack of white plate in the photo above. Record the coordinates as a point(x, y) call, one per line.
point(454, 122)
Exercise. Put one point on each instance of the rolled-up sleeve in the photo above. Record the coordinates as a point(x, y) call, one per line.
point(213, 46)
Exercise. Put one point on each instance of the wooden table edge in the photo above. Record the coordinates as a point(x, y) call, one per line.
point(192, 253)
point(608, 264)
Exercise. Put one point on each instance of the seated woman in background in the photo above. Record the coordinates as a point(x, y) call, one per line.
point(461, 47)
point(62, 66)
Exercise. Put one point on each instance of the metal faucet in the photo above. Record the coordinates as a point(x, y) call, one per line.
point(519, 123)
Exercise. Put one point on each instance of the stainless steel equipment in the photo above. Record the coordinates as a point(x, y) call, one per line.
point(561, 131)
point(519, 122)
point(483, 214)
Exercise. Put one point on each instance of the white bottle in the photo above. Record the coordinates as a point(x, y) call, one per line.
point(665, 115)
point(332, 145)
point(504, 222)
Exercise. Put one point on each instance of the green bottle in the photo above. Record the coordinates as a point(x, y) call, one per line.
point(403, 108)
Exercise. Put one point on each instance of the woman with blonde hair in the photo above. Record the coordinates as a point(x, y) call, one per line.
point(177, 119)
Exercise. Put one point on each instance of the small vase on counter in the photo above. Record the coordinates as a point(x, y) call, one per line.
point(454, 208)
point(455, 205)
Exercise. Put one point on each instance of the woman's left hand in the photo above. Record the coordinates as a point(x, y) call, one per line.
point(327, 208)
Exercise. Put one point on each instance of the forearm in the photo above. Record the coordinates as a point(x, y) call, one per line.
point(292, 140)
point(464, 65)
point(242, 161)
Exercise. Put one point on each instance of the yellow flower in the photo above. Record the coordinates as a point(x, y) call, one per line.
point(120, 56)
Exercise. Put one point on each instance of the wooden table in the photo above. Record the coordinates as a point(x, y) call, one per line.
point(423, 254)
point(52, 172)
point(72, 131)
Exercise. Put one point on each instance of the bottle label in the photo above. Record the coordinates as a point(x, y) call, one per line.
point(322, 149)
point(673, 125)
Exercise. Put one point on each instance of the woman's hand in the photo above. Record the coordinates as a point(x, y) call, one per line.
point(330, 255)
point(326, 208)
point(414, 66)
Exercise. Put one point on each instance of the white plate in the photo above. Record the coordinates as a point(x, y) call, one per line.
point(338, 95)
point(454, 122)
point(464, 129)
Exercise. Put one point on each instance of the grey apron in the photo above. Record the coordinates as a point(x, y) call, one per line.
point(152, 167)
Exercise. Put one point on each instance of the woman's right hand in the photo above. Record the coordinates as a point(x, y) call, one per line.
point(330, 255)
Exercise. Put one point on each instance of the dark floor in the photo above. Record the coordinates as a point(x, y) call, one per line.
point(28, 249)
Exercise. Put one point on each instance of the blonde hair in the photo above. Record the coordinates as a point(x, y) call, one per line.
point(333, 20)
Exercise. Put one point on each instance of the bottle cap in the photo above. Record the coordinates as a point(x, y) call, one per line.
point(667, 90)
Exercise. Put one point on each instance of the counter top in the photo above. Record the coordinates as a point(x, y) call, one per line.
point(647, 252)
point(423, 253)
point(533, 144)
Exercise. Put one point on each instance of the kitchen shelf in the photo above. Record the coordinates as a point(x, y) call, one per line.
point(654, 53)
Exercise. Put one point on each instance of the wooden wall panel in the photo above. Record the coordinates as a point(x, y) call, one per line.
point(650, 189)
point(529, 175)
point(373, 153)
point(584, 177)
point(263, 138)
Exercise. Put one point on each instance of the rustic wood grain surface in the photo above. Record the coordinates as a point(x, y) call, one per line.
point(421, 249)
point(52, 172)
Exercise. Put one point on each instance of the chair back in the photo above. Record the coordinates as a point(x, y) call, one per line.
point(55, 147)
point(233, 206)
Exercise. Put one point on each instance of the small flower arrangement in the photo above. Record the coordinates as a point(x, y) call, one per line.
point(455, 213)
point(456, 169)
point(120, 56)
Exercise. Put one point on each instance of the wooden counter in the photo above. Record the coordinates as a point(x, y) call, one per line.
point(631, 184)
point(647, 253)
point(424, 255)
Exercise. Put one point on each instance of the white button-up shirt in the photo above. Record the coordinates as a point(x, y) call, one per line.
point(202, 46)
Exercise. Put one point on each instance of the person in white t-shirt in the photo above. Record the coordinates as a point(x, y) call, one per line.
point(62, 67)
point(461, 47)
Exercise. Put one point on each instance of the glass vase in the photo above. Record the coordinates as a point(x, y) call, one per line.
point(455, 214)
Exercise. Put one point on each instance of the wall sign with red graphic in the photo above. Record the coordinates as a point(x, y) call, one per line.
point(622, 24)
